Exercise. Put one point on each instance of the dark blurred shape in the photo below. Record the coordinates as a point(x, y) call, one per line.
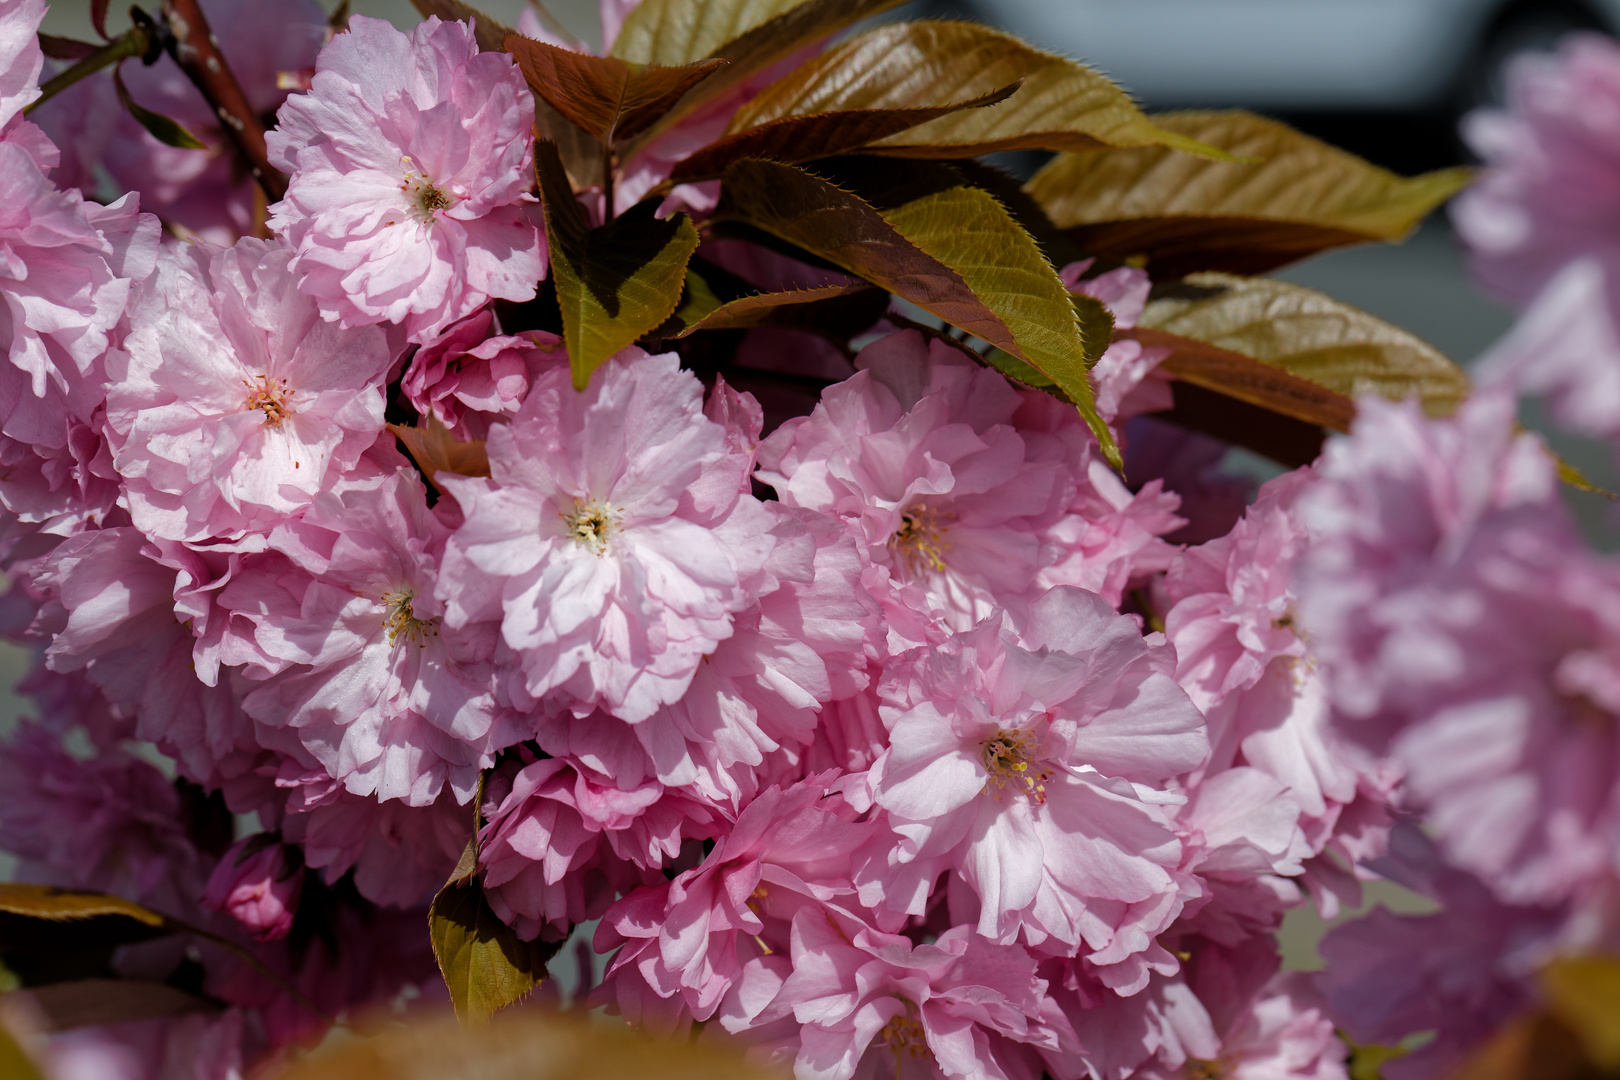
point(528, 1044)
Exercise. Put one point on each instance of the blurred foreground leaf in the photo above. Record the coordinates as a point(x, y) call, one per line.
point(1584, 995)
point(485, 964)
point(1309, 335)
point(89, 1002)
point(1061, 104)
point(14, 1063)
point(529, 1045)
point(614, 283)
point(1291, 197)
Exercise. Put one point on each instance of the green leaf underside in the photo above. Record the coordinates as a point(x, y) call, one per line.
point(56, 905)
point(608, 98)
point(486, 966)
point(794, 139)
point(86, 1002)
point(160, 127)
point(950, 249)
point(1061, 104)
point(1310, 335)
point(1096, 326)
point(1292, 197)
point(614, 283)
point(748, 34)
point(1247, 379)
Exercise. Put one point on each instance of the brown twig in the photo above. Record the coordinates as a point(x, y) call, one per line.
point(196, 50)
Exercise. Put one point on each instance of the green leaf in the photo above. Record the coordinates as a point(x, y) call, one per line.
point(1308, 334)
point(608, 98)
point(951, 249)
point(485, 964)
point(804, 138)
point(1061, 104)
point(614, 283)
point(1290, 197)
point(1096, 326)
point(164, 130)
point(749, 35)
point(59, 905)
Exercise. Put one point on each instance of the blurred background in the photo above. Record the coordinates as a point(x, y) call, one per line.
point(1387, 79)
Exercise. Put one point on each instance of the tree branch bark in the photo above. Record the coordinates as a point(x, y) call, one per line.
point(195, 49)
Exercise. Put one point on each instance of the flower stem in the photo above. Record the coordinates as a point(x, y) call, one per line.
point(132, 42)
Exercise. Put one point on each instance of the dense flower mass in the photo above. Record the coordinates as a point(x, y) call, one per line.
point(408, 160)
point(405, 582)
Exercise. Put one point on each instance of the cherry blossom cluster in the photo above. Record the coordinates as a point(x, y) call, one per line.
point(895, 736)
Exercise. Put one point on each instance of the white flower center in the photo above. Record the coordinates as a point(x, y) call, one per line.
point(590, 525)
point(919, 542)
point(401, 621)
point(1009, 758)
point(273, 397)
point(422, 197)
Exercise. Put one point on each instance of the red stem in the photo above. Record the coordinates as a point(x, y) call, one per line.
point(196, 50)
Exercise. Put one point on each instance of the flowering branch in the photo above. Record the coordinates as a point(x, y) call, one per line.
point(196, 50)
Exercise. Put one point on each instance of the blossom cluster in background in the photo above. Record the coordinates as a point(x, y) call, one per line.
point(892, 735)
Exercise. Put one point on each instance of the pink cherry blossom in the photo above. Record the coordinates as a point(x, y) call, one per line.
point(20, 57)
point(400, 854)
point(257, 882)
point(874, 1005)
point(612, 540)
point(233, 404)
point(410, 160)
point(1548, 194)
point(122, 603)
point(1030, 765)
point(112, 824)
point(563, 840)
point(1465, 631)
point(1459, 972)
point(469, 377)
point(390, 702)
point(923, 455)
point(692, 936)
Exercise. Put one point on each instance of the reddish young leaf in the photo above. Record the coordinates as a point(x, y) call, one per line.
point(606, 97)
point(806, 138)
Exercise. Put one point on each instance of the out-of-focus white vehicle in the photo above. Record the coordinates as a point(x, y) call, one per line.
point(1300, 54)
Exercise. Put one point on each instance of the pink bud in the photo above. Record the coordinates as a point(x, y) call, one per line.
point(258, 884)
